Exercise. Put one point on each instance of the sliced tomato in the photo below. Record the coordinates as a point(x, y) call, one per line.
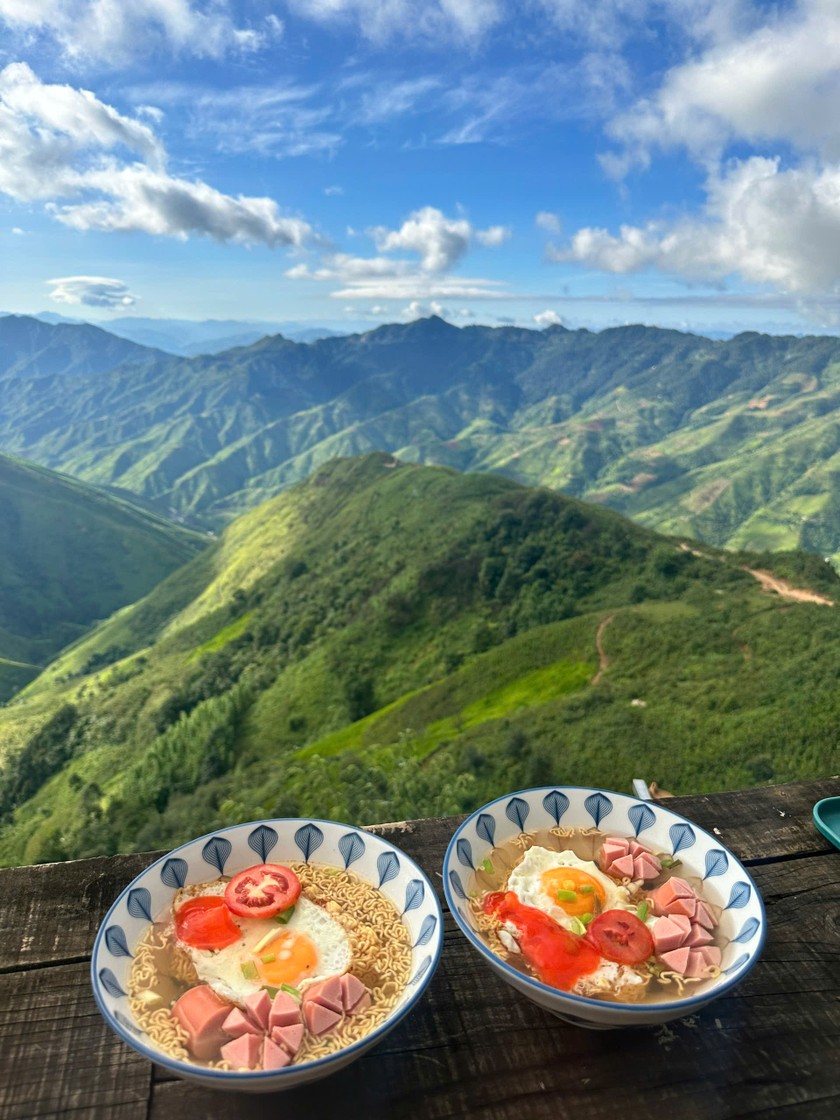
point(620, 936)
point(262, 891)
point(205, 923)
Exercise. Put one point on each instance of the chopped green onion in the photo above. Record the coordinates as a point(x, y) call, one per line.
point(249, 970)
point(268, 958)
point(578, 927)
point(283, 918)
point(292, 991)
point(487, 866)
point(587, 888)
point(642, 910)
point(669, 862)
point(566, 896)
point(586, 919)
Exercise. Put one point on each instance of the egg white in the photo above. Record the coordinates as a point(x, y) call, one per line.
point(221, 969)
point(525, 882)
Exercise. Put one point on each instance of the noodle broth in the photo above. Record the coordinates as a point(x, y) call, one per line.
point(660, 983)
point(380, 957)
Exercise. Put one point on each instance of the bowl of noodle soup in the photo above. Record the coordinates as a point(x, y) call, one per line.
point(365, 912)
point(646, 916)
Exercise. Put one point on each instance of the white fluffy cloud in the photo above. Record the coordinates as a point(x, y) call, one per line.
point(770, 225)
point(92, 291)
point(548, 318)
point(63, 146)
point(436, 242)
point(778, 82)
point(113, 30)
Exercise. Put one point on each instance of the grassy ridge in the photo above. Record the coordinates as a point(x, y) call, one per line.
point(390, 641)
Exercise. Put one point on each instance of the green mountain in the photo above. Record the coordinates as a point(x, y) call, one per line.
point(387, 641)
point(71, 556)
point(735, 442)
point(30, 348)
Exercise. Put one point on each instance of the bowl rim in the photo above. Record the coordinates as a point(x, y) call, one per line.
point(194, 1071)
point(624, 1010)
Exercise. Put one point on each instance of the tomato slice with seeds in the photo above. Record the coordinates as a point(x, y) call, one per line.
point(262, 891)
point(205, 923)
point(620, 936)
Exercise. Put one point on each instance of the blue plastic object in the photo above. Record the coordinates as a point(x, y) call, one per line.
point(827, 819)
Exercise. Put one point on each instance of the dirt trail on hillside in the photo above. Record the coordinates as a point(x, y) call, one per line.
point(603, 660)
point(772, 583)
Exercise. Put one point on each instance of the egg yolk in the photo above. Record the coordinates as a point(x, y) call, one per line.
point(290, 958)
point(557, 956)
point(574, 891)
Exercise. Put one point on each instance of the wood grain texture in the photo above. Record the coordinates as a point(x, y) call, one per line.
point(472, 1048)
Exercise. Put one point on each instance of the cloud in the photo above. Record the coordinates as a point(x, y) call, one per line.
point(114, 31)
point(548, 318)
point(549, 222)
point(770, 225)
point(92, 291)
point(439, 241)
point(333, 190)
point(777, 82)
point(63, 145)
point(467, 21)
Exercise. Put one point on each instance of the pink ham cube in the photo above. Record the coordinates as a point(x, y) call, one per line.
point(677, 959)
point(698, 936)
point(319, 1019)
point(284, 1011)
point(328, 993)
point(238, 1023)
point(704, 915)
point(201, 1013)
point(646, 866)
point(352, 990)
point(258, 1007)
point(289, 1038)
point(622, 866)
point(686, 906)
point(274, 1056)
point(244, 1052)
point(666, 935)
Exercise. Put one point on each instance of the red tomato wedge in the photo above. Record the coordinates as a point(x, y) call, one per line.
point(620, 936)
point(205, 923)
point(262, 891)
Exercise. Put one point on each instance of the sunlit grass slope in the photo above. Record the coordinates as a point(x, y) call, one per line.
point(387, 641)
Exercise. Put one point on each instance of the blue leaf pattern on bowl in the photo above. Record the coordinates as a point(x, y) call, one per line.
point(388, 867)
point(413, 895)
point(174, 873)
point(110, 983)
point(748, 932)
point(464, 850)
point(739, 896)
point(556, 803)
point(116, 942)
point(717, 862)
point(308, 838)
point(485, 826)
point(682, 836)
point(517, 812)
point(139, 904)
point(457, 885)
point(352, 847)
point(598, 806)
point(264, 839)
point(216, 852)
point(124, 1021)
point(425, 965)
point(737, 964)
point(427, 929)
point(641, 817)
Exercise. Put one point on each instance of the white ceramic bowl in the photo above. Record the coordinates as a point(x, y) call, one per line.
point(726, 883)
point(228, 851)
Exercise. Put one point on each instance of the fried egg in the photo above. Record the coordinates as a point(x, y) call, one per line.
point(565, 887)
point(310, 947)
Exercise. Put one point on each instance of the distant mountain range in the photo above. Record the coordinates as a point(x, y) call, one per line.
point(387, 641)
point(734, 442)
point(188, 337)
point(70, 557)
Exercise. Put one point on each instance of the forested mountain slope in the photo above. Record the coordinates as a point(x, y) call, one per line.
point(388, 640)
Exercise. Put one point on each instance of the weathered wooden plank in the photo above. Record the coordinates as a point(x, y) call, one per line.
point(57, 1057)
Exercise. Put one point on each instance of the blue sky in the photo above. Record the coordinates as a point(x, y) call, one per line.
point(352, 162)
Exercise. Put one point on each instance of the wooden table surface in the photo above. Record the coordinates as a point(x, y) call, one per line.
point(473, 1048)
